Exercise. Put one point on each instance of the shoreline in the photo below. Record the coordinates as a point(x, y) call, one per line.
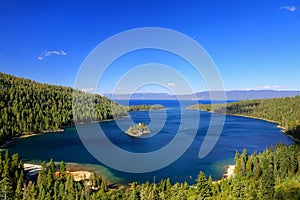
point(61, 129)
point(13, 139)
point(79, 172)
point(41, 133)
point(3, 146)
point(282, 129)
point(84, 171)
point(230, 171)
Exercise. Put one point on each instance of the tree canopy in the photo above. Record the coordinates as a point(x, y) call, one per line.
point(271, 174)
point(29, 107)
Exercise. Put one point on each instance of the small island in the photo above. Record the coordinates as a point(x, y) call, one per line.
point(138, 130)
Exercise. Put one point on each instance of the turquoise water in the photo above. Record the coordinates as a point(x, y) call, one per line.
point(238, 133)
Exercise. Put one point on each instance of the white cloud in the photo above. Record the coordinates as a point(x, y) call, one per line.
point(289, 8)
point(268, 87)
point(87, 90)
point(63, 53)
point(247, 89)
point(50, 53)
point(171, 84)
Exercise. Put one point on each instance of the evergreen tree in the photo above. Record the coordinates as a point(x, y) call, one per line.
point(239, 188)
point(62, 169)
point(1, 163)
point(52, 166)
point(29, 191)
point(267, 184)
point(133, 192)
point(6, 184)
point(203, 186)
point(6, 188)
point(19, 192)
point(168, 188)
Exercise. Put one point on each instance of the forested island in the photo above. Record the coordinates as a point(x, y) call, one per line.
point(284, 111)
point(145, 107)
point(138, 130)
point(28, 107)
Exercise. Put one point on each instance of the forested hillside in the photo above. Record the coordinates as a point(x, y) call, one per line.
point(272, 174)
point(284, 111)
point(30, 107)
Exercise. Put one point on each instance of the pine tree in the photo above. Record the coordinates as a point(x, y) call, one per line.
point(52, 166)
point(6, 189)
point(103, 186)
point(70, 187)
point(50, 180)
point(6, 157)
point(237, 163)
point(181, 193)
point(239, 188)
point(203, 186)
point(168, 188)
point(18, 192)
point(42, 178)
point(267, 183)
point(1, 164)
point(62, 168)
point(62, 192)
point(6, 184)
point(133, 193)
point(155, 192)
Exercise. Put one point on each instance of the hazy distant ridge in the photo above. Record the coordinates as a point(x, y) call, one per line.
point(231, 95)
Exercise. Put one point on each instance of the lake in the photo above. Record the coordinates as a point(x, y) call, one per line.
point(238, 133)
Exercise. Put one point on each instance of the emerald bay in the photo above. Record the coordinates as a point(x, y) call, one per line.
point(68, 147)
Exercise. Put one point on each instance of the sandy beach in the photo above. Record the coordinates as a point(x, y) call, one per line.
point(230, 171)
point(80, 175)
point(28, 166)
point(33, 170)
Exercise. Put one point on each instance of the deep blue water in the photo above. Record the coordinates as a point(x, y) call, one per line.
point(238, 133)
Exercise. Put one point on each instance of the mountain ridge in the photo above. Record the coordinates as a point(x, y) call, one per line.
point(205, 95)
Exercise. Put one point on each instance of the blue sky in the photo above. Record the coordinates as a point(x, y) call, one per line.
point(254, 43)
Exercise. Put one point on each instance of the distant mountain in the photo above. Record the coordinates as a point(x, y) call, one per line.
point(251, 94)
point(231, 95)
point(139, 96)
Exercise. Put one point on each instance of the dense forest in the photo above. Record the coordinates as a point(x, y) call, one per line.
point(284, 111)
point(29, 107)
point(145, 107)
point(272, 174)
